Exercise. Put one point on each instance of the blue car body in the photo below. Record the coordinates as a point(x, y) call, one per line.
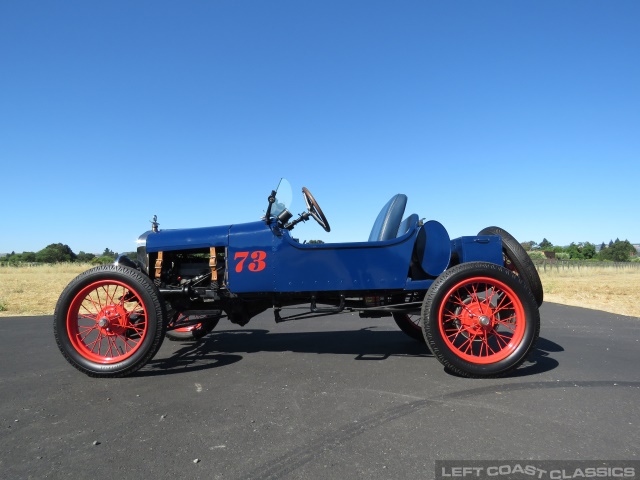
point(284, 265)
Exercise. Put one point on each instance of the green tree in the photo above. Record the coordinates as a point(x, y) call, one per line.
point(545, 244)
point(589, 250)
point(13, 258)
point(618, 251)
point(528, 246)
point(85, 257)
point(581, 251)
point(103, 260)
point(28, 256)
point(55, 253)
point(574, 252)
point(109, 253)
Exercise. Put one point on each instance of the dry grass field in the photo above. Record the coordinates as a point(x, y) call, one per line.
point(35, 290)
point(608, 289)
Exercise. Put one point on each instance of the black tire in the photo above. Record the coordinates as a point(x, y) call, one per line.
point(518, 261)
point(109, 321)
point(410, 324)
point(196, 333)
point(480, 320)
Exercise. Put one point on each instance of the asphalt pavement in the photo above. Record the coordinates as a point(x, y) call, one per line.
point(329, 398)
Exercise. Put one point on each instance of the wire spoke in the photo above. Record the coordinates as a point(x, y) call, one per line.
point(506, 339)
point(86, 332)
point(95, 344)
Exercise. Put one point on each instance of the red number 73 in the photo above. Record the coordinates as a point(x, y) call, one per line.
point(256, 264)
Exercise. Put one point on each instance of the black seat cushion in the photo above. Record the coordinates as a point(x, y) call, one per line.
point(389, 218)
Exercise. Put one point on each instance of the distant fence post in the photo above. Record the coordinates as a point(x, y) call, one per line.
point(541, 265)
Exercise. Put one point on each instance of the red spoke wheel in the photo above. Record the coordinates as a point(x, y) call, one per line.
point(109, 321)
point(480, 319)
point(193, 332)
point(518, 261)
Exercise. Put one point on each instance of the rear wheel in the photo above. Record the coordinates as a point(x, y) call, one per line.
point(480, 319)
point(109, 321)
point(410, 324)
point(518, 261)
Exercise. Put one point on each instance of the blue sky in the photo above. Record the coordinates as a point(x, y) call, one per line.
point(520, 114)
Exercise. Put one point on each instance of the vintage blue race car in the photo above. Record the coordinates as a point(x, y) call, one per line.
point(473, 300)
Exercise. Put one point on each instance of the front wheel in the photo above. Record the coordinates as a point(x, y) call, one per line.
point(480, 320)
point(109, 321)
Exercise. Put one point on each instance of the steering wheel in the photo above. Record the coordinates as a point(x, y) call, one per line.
point(314, 209)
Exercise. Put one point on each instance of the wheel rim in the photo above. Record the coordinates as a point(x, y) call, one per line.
point(107, 322)
point(482, 320)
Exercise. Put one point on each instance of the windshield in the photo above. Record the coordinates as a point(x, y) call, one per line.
point(284, 197)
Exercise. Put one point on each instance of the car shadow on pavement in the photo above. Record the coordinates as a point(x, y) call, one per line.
point(363, 344)
point(222, 348)
point(539, 360)
point(225, 347)
point(187, 359)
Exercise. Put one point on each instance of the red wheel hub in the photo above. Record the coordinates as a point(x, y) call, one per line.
point(112, 320)
point(476, 318)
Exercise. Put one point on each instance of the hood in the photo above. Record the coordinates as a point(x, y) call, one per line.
point(186, 238)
